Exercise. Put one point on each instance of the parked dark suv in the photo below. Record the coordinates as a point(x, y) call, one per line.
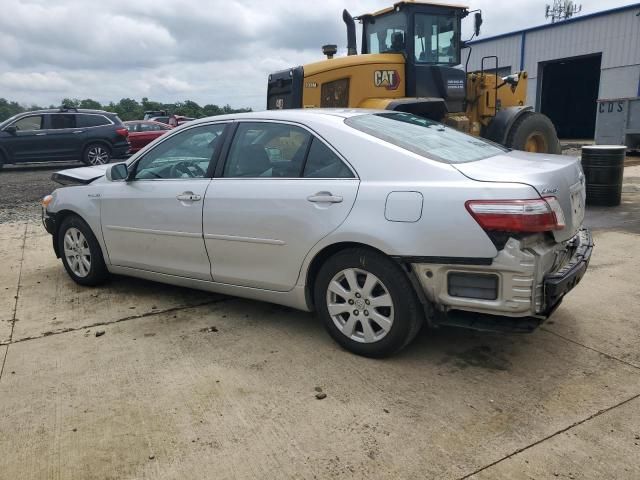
point(93, 136)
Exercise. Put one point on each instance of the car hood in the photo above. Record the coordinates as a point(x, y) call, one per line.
point(79, 176)
point(551, 175)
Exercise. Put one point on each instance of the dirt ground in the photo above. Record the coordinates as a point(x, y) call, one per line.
point(138, 380)
point(22, 188)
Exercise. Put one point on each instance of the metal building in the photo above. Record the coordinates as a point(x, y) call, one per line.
point(571, 64)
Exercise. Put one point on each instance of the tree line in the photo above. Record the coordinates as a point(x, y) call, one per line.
point(126, 108)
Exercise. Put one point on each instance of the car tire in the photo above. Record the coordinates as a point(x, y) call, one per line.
point(80, 252)
point(96, 154)
point(534, 132)
point(379, 315)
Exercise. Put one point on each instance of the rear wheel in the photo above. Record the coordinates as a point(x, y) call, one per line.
point(534, 132)
point(367, 303)
point(96, 154)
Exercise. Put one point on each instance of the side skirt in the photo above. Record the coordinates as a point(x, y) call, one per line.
point(294, 298)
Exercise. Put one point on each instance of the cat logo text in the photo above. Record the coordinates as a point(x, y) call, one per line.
point(389, 79)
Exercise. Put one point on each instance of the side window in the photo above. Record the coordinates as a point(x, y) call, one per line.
point(323, 163)
point(64, 120)
point(148, 127)
point(267, 150)
point(87, 120)
point(186, 155)
point(33, 122)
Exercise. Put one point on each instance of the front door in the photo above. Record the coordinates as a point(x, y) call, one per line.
point(281, 191)
point(153, 221)
point(29, 141)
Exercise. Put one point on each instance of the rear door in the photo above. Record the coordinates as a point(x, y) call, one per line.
point(154, 220)
point(280, 191)
point(64, 138)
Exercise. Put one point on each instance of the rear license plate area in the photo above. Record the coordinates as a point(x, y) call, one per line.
point(577, 204)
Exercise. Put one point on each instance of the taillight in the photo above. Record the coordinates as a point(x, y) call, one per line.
point(123, 132)
point(535, 215)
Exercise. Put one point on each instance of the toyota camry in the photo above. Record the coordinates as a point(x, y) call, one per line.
point(378, 221)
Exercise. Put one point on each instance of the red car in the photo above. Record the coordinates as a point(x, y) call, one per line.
point(142, 132)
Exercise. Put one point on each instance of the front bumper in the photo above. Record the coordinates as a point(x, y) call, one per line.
point(528, 280)
point(50, 223)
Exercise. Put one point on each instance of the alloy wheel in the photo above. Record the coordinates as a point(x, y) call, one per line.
point(360, 305)
point(77, 253)
point(97, 155)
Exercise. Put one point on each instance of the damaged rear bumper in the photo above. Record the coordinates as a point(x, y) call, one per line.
point(561, 282)
point(521, 287)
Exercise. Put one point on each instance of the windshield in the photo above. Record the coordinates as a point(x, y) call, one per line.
point(436, 39)
point(424, 137)
point(387, 34)
point(8, 121)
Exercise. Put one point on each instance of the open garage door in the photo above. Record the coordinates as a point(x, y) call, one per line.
point(569, 93)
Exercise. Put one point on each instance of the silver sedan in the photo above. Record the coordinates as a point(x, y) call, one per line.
point(378, 221)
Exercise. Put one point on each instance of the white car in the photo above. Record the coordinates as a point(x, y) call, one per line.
point(378, 221)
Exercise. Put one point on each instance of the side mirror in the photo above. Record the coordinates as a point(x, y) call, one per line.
point(477, 23)
point(117, 172)
point(11, 129)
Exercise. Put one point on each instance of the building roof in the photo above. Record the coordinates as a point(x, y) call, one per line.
point(559, 24)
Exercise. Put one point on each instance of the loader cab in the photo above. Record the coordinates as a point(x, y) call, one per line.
point(429, 37)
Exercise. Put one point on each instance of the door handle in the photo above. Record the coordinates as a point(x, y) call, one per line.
point(324, 197)
point(188, 197)
point(79, 131)
point(40, 134)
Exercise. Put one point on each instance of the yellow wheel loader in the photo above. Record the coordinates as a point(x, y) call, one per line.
point(411, 61)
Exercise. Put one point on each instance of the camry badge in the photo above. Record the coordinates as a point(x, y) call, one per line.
point(547, 191)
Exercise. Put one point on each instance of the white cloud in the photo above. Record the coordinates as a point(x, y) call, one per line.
point(209, 51)
point(48, 81)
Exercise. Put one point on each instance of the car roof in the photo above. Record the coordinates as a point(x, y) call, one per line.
point(295, 115)
point(17, 116)
point(70, 110)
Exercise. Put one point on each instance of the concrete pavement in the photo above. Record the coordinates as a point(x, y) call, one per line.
point(185, 384)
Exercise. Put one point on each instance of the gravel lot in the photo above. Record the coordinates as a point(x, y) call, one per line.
point(22, 188)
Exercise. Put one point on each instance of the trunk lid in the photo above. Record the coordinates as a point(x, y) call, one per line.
point(79, 176)
point(551, 175)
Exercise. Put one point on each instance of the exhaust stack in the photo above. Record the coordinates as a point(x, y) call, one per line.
point(352, 48)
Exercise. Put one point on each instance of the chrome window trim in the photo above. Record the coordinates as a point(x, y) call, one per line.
point(80, 113)
point(165, 138)
point(311, 131)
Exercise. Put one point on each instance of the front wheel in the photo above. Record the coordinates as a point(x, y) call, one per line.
point(96, 154)
point(81, 253)
point(367, 303)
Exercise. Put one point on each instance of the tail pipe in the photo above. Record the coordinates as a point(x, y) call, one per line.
point(352, 48)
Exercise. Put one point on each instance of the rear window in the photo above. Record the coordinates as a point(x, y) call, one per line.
point(424, 137)
point(61, 121)
point(87, 120)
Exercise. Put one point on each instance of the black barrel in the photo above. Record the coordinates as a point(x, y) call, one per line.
point(603, 167)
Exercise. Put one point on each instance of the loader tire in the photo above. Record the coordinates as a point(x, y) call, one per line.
point(534, 132)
